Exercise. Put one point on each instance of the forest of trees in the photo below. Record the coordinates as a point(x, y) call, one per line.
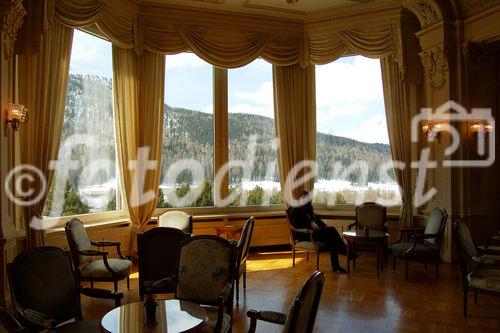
point(88, 136)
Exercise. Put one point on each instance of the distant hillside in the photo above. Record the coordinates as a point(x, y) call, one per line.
point(190, 134)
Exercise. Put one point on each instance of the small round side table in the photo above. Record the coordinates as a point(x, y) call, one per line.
point(230, 231)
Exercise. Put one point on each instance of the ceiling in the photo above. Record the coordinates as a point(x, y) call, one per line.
point(302, 9)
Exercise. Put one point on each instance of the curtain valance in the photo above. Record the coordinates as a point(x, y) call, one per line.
point(220, 44)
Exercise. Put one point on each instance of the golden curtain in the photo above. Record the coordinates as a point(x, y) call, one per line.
point(226, 45)
point(42, 88)
point(295, 122)
point(398, 114)
point(138, 84)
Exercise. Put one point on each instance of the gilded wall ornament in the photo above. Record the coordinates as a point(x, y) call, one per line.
point(475, 4)
point(12, 21)
point(435, 67)
point(427, 11)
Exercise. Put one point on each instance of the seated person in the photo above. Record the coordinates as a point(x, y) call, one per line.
point(303, 217)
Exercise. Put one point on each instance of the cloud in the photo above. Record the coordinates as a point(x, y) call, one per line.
point(374, 130)
point(253, 109)
point(262, 95)
point(184, 60)
point(209, 109)
point(353, 79)
point(345, 110)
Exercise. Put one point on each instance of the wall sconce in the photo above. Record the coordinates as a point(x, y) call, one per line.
point(480, 128)
point(432, 129)
point(15, 114)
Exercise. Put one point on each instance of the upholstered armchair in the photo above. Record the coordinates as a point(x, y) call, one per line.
point(176, 219)
point(369, 215)
point(205, 276)
point(475, 266)
point(158, 258)
point(242, 250)
point(83, 254)
point(422, 244)
point(46, 294)
point(302, 312)
point(302, 239)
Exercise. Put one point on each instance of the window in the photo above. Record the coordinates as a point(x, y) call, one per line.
point(86, 178)
point(253, 175)
point(353, 152)
point(187, 170)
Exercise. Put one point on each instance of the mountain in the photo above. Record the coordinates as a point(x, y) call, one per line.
point(189, 134)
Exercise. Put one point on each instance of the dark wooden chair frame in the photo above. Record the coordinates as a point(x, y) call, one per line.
point(10, 323)
point(464, 272)
point(51, 323)
point(241, 258)
point(281, 318)
point(142, 276)
point(318, 248)
point(416, 235)
point(115, 277)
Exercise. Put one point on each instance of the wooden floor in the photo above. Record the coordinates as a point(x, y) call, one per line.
point(361, 303)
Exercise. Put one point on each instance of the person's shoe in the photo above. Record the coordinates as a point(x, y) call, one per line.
point(339, 269)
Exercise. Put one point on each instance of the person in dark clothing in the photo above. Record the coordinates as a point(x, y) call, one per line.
point(303, 217)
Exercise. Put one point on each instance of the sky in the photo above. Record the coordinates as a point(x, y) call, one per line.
point(349, 93)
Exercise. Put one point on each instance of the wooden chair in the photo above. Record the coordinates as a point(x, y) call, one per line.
point(372, 216)
point(425, 243)
point(176, 219)
point(88, 269)
point(302, 240)
point(475, 268)
point(242, 250)
point(158, 258)
point(8, 323)
point(302, 312)
point(205, 276)
point(46, 294)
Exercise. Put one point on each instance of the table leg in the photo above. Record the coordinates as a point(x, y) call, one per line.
point(378, 260)
point(348, 261)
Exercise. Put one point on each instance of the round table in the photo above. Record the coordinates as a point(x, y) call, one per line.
point(377, 237)
point(171, 316)
point(231, 231)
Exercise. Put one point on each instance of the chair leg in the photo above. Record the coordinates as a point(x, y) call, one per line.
point(128, 282)
point(237, 289)
point(317, 260)
point(407, 267)
point(293, 257)
point(91, 283)
point(465, 303)
point(307, 256)
point(245, 279)
point(115, 283)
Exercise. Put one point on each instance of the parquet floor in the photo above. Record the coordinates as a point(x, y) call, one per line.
point(361, 303)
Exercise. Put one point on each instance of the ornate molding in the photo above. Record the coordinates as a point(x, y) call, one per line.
point(428, 12)
point(436, 67)
point(12, 20)
point(476, 4)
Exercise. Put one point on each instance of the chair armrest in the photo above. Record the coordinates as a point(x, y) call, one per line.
point(92, 253)
point(103, 293)
point(38, 318)
point(494, 250)
point(225, 293)
point(417, 230)
point(107, 244)
point(159, 284)
point(487, 259)
point(267, 316)
point(424, 236)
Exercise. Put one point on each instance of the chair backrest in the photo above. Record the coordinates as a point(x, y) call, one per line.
point(466, 247)
point(206, 266)
point(298, 219)
point(244, 242)
point(176, 219)
point(371, 215)
point(42, 280)
point(158, 254)
point(9, 324)
point(436, 222)
point(302, 313)
point(78, 240)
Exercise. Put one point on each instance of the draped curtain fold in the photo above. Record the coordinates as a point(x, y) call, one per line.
point(295, 122)
point(398, 114)
point(218, 44)
point(43, 80)
point(138, 85)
